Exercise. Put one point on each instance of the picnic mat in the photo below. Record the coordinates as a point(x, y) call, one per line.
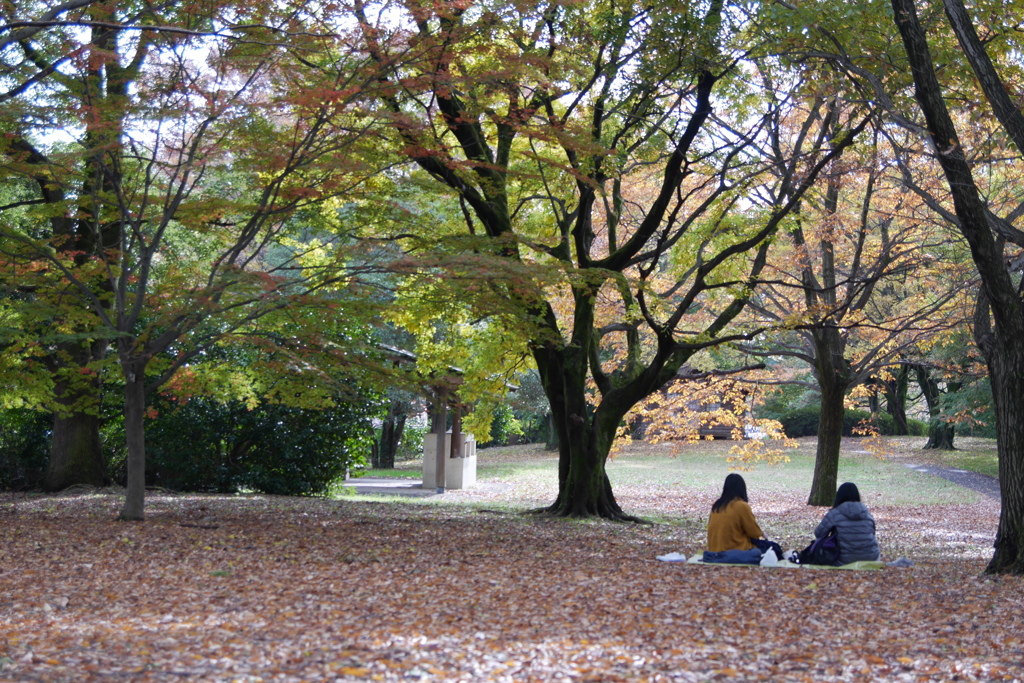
point(863, 565)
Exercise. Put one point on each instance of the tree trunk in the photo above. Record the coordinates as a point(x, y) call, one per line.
point(586, 491)
point(135, 435)
point(1006, 371)
point(940, 432)
point(76, 454)
point(940, 436)
point(997, 94)
point(896, 400)
point(832, 371)
point(584, 435)
point(551, 442)
point(831, 368)
point(999, 322)
point(388, 461)
point(830, 438)
point(391, 431)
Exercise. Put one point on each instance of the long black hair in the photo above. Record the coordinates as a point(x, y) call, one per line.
point(846, 493)
point(733, 488)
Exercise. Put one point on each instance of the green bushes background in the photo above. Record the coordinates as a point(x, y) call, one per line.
point(212, 446)
point(804, 422)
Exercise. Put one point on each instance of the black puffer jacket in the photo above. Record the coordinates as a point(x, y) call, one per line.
point(855, 529)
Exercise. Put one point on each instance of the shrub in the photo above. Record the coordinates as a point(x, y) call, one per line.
point(777, 402)
point(917, 427)
point(801, 422)
point(804, 422)
point(273, 448)
point(855, 419)
point(291, 451)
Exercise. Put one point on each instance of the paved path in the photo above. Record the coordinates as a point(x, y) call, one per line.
point(391, 487)
point(981, 483)
point(409, 487)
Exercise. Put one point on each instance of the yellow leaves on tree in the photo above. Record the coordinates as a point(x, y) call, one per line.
point(691, 410)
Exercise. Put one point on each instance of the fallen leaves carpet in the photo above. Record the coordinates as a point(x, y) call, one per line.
point(283, 589)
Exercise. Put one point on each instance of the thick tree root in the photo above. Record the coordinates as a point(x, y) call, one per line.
point(557, 510)
point(1006, 562)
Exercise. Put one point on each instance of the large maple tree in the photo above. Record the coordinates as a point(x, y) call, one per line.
point(193, 198)
point(541, 119)
point(862, 284)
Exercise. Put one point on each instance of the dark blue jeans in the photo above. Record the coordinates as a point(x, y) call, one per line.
point(752, 556)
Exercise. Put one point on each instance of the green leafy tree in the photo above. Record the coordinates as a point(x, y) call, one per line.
point(60, 59)
point(620, 171)
point(197, 157)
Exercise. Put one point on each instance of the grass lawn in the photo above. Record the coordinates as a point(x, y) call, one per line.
point(693, 463)
point(674, 485)
point(974, 454)
point(882, 480)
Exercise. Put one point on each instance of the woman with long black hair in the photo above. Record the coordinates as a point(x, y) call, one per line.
point(854, 525)
point(732, 528)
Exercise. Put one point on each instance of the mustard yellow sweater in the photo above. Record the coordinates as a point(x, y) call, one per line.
point(732, 528)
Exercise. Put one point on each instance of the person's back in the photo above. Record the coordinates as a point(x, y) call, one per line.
point(855, 531)
point(732, 527)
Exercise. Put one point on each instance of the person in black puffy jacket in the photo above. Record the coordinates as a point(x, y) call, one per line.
point(855, 527)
